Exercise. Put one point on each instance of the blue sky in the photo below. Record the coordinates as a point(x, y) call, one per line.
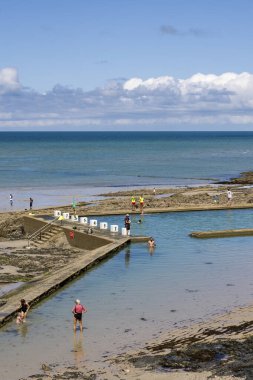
point(126, 64)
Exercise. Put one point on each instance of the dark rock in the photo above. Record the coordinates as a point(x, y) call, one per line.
point(3, 302)
point(245, 178)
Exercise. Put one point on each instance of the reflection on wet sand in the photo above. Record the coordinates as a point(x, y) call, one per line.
point(78, 350)
point(23, 329)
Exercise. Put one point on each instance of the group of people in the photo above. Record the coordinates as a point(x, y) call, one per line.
point(134, 205)
point(30, 201)
point(127, 222)
point(77, 311)
point(141, 201)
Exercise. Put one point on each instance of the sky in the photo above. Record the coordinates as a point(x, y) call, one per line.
point(126, 65)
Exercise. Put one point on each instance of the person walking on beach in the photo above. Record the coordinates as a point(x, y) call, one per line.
point(141, 204)
point(229, 195)
point(127, 222)
point(11, 199)
point(24, 307)
point(31, 203)
point(78, 311)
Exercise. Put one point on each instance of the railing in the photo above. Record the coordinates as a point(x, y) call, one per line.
point(40, 231)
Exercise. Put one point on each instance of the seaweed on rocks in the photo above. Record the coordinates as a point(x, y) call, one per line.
point(245, 178)
point(12, 228)
point(222, 358)
point(66, 375)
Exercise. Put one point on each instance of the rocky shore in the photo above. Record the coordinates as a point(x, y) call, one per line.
point(221, 348)
point(245, 178)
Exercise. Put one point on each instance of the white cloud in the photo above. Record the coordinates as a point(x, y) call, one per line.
point(150, 84)
point(9, 80)
point(163, 101)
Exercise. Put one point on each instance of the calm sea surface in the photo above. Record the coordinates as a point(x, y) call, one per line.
point(136, 294)
point(53, 167)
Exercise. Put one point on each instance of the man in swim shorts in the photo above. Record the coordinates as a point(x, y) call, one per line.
point(151, 243)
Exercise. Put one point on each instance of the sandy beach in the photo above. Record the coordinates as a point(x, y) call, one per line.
point(218, 348)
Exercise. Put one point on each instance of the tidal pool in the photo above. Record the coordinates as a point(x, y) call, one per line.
point(137, 294)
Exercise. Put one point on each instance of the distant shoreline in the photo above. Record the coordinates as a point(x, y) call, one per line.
point(62, 196)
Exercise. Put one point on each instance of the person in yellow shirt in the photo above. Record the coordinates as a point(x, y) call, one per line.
point(141, 204)
point(133, 201)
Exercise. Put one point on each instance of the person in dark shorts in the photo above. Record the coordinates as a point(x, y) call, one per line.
point(127, 222)
point(78, 311)
point(31, 203)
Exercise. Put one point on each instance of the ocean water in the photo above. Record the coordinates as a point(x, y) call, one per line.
point(52, 167)
point(137, 294)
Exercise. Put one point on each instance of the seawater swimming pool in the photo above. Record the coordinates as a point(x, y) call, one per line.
point(137, 294)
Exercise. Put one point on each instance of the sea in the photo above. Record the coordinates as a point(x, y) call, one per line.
point(137, 294)
point(55, 167)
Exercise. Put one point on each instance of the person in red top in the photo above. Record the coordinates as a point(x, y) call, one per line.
point(78, 311)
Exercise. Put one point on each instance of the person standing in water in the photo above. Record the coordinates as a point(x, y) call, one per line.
point(23, 311)
point(151, 242)
point(31, 203)
point(78, 311)
point(11, 199)
point(151, 245)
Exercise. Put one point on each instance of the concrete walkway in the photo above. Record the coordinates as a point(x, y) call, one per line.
point(185, 208)
point(38, 289)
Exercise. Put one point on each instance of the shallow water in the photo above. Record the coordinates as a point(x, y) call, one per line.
point(136, 294)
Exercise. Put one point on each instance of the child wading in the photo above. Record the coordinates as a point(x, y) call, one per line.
point(78, 311)
point(23, 311)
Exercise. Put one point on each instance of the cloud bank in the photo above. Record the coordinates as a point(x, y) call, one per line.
point(136, 103)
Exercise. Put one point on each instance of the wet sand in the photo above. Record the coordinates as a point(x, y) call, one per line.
point(205, 346)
